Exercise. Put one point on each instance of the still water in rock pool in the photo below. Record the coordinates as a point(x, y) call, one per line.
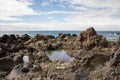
point(59, 55)
point(15, 73)
point(97, 60)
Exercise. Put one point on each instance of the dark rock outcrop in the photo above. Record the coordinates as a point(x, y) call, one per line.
point(62, 36)
point(5, 38)
point(6, 64)
point(25, 37)
point(43, 37)
point(90, 39)
point(8, 38)
point(12, 38)
point(12, 43)
point(90, 32)
point(10, 48)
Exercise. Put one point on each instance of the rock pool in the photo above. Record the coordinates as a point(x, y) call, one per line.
point(59, 55)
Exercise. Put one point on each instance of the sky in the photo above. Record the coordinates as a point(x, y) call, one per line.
point(41, 15)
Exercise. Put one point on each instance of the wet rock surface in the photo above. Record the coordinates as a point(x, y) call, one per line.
point(87, 56)
point(6, 65)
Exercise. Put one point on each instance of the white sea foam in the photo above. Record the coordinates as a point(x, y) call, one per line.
point(25, 59)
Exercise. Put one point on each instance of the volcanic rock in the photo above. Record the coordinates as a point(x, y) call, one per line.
point(62, 36)
point(90, 32)
point(43, 37)
point(90, 39)
point(116, 58)
point(6, 64)
point(18, 58)
point(5, 38)
point(25, 37)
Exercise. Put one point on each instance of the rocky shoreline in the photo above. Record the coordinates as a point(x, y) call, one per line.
point(94, 58)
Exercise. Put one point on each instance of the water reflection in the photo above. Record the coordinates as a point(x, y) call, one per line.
point(15, 73)
point(59, 55)
point(98, 60)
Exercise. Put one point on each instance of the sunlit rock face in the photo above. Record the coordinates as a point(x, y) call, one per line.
point(90, 39)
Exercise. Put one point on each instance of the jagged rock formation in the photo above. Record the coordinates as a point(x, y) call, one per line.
point(90, 52)
point(90, 39)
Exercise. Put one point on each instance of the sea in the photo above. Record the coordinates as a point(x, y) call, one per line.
point(110, 35)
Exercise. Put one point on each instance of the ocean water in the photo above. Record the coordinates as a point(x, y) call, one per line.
point(110, 35)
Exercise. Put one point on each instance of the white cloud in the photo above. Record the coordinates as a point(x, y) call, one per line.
point(94, 3)
point(84, 13)
point(95, 12)
point(54, 26)
point(60, 12)
point(88, 17)
point(51, 18)
point(11, 9)
point(79, 8)
point(89, 3)
point(44, 4)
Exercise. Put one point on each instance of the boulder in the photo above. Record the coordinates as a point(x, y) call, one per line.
point(50, 36)
point(5, 38)
point(74, 35)
point(61, 35)
point(12, 38)
point(6, 64)
point(8, 38)
point(25, 37)
point(43, 37)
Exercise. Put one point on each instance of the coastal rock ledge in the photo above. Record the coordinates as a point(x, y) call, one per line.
point(91, 57)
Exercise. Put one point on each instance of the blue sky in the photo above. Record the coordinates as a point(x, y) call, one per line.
point(22, 15)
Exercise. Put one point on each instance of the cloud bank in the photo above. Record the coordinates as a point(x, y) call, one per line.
point(59, 14)
point(11, 9)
